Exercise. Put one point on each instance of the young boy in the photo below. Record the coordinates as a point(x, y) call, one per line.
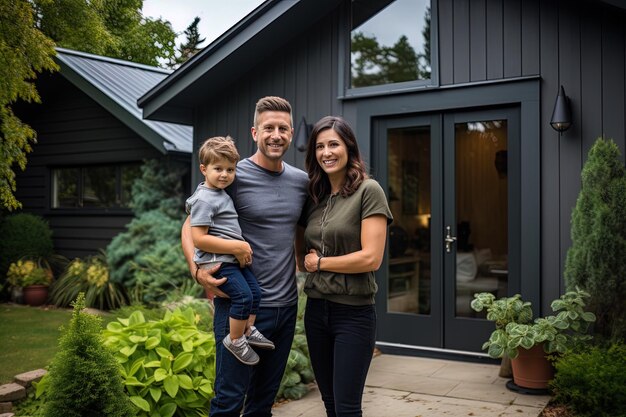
point(214, 221)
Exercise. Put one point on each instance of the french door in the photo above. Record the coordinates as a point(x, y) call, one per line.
point(453, 184)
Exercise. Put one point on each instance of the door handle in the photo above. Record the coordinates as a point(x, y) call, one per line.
point(449, 239)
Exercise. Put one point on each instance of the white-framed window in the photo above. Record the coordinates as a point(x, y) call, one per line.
point(93, 186)
point(390, 42)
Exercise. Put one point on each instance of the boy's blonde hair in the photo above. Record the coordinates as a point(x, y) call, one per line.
point(216, 148)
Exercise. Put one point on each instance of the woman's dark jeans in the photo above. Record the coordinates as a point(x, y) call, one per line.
point(341, 342)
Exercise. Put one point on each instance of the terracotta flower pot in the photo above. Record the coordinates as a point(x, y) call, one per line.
point(35, 295)
point(531, 368)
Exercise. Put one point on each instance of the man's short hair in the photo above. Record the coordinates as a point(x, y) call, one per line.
point(216, 148)
point(272, 103)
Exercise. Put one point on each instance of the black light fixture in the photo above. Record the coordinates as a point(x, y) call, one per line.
point(561, 115)
point(302, 134)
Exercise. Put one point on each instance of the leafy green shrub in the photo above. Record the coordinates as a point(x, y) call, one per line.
point(298, 372)
point(89, 276)
point(84, 378)
point(595, 261)
point(23, 236)
point(148, 256)
point(168, 365)
point(592, 383)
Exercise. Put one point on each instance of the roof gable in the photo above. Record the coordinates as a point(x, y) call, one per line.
point(265, 29)
point(116, 85)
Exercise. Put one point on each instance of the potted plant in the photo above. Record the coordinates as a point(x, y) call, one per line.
point(526, 342)
point(33, 277)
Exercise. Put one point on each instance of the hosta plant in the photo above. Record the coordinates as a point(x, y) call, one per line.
point(559, 333)
point(168, 365)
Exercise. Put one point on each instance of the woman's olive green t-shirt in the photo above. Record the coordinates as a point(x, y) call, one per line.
point(333, 228)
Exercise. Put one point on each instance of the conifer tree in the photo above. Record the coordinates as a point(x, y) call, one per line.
point(191, 47)
point(84, 378)
point(596, 261)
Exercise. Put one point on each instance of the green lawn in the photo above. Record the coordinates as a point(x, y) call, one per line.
point(28, 338)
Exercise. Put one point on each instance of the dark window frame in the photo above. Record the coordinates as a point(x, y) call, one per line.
point(118, 207)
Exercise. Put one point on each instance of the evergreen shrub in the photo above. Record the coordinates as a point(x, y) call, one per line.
point(595, 261)
point(147, 258)
point(592, 383)
point(23, 235)
point(84, 377)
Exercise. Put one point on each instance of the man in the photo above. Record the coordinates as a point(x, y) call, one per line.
point(269, 195)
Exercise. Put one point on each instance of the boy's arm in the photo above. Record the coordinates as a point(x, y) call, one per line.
point(204, 277)
point(213, 244)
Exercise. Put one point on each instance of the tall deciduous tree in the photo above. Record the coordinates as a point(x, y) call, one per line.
point(595, 261)
point(24, 52)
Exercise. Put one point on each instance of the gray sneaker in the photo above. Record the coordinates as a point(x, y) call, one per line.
point(243, 352)
point(257, 339)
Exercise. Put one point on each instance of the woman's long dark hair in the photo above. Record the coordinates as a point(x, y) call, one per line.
point(319, 184)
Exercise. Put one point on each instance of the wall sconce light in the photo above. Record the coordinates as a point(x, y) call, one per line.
point(561, 115)
point(302, 134)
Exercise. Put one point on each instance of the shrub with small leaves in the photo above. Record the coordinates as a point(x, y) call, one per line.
point(168, 365)
point(592, 383)
point(84, 377)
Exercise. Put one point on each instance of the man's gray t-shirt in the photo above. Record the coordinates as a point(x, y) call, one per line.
point(269, 205)
point(213, 208)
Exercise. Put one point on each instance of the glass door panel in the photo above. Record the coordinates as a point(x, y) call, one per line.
point(481, 211)
point(409, 236)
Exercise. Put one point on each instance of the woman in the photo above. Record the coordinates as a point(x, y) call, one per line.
point(346, 228)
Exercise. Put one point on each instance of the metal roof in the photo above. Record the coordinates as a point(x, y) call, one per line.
point(116, 85)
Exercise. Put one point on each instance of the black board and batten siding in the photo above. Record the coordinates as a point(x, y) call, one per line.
point(72, 129)
point(579, 44)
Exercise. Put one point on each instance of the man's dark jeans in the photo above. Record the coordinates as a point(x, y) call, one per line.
point(257, 385)
point(341, 342)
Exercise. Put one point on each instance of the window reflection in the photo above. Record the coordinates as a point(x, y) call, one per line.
point(390, 42)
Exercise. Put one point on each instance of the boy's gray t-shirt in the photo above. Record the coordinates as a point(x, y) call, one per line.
point(269, 205)
point(215, 209)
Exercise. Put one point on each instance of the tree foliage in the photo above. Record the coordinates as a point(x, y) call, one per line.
point(595, 261)
point(114, 28)
point(24, 52)
point(190, 47)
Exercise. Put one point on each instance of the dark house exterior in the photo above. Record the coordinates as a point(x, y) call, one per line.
point(452, 102)
point(91, 141)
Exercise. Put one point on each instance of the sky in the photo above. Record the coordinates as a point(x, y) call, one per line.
point(216, 16)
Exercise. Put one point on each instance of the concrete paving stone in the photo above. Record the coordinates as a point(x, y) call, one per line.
point(483, 392)
point(7, 415)
point(407, 365)
point(6, 407)
point(27, 378)
point(470, 372)
point(412, 383)
point(11, 392)
point(456, 407)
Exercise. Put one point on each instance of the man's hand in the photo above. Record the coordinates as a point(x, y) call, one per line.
point(211, 284)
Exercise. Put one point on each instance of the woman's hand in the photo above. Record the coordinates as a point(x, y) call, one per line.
point(311, 261)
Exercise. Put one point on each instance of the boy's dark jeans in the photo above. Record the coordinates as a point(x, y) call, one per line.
point(242, 288)
point(257, 384)
point(341, 341)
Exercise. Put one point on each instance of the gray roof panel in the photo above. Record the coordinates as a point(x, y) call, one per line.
point(116, 85)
